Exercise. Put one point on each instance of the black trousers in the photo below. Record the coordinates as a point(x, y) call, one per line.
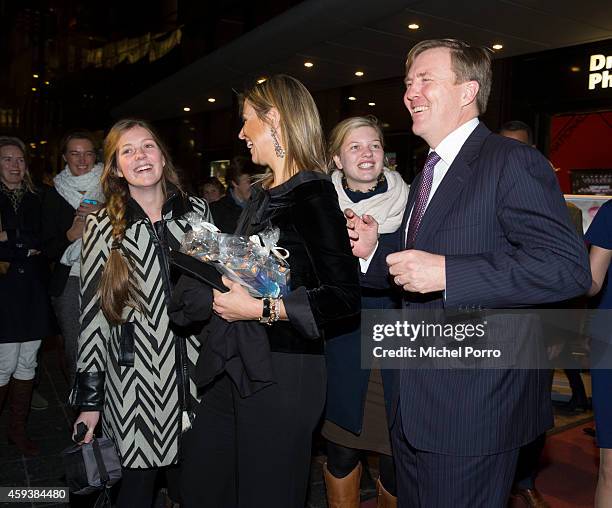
point(136, 488)
point(254, 452)
point(433, 480)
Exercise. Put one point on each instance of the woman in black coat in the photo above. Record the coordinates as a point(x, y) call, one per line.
point(253, 451)
point(25, 315)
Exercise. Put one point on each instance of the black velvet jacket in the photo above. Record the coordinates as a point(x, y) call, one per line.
point(324, 273)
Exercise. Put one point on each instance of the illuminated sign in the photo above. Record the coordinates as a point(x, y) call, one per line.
point(599, 68)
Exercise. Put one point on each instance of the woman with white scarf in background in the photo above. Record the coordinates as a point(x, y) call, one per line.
point(355, 413)
point(76, 193)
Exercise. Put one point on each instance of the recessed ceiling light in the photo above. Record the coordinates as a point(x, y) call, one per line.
point(575, 68)
point(497, 46)
point(33, 89)
point(34, 75)
point(211, 99)
point(260, 81)
point(386, 125)
point(371, 104)
point(308, 64)
point(351, 98)
point(47, 83)
point(43, 142)
point(359, 73)
point(413, 26)
point(187, 109)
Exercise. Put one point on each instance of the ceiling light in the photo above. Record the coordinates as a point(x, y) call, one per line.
point(47, 83)
point(187, 109)
point(211, 99)
point(371, 104)
point(260, 81)
point(35, 75)
point(33, 88)
point(351, 98)
point(308, 64)
point(497, 46)
point(575, 68)
point(43, 142)
point(359, 73)
point(413, 26)
point(386, 125)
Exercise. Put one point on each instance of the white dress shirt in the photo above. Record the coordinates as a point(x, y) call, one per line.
point(448, 149)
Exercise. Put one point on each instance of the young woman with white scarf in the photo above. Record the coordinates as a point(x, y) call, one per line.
point(75, 194)
point(355, 412)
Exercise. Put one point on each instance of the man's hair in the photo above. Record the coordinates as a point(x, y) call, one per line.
point(469, 63)
point(239, 166)
point(215, 182)
point(517, 125)
point(78, 134)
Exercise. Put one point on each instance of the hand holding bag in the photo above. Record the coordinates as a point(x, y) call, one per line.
point(92, 466)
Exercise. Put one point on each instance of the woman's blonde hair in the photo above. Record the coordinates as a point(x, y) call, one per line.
point(16, 142)
point(300, 124)
point(343, 129)
point(117, 288)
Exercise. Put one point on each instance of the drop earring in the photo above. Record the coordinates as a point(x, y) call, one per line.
point(278, 149)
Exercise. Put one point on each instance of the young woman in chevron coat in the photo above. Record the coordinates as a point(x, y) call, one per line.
point(133, 366)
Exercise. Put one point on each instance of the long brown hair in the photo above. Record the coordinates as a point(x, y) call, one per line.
point(300, 124)
point(117, 287)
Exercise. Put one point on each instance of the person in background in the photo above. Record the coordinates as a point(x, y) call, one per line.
point(212, 189)
point(599, 235)
point(238, 178)
point(255, 450)
point(76, 193)
point(25, 311)
point(355, 408)
point(133, 365)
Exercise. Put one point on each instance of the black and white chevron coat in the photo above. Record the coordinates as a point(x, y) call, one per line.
point(143, 398)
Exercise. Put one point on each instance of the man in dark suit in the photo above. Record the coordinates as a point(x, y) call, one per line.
point(485, 227)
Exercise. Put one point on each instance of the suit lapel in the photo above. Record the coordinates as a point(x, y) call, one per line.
point(451, 186)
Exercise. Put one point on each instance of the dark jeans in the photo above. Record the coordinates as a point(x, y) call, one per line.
point(255, 451)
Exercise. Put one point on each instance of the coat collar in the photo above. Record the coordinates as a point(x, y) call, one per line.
point(176, 203)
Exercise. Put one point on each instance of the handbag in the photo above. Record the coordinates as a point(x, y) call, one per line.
point(4, 265)
point(92, 467)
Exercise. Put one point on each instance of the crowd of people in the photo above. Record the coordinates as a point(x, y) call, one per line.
point(222, 391)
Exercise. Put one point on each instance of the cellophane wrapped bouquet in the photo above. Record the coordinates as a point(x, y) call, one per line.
point(255, 262)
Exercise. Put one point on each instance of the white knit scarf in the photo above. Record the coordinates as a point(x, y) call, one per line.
point(74, 189)
point(387, 208)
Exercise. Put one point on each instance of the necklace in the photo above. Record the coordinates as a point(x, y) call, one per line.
point(379, 181)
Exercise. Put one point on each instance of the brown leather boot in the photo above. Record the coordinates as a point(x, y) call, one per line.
point(343, 492)
point(19, 396)
point(384, 498)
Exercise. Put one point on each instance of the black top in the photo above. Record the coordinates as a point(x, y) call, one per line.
point(324, 273)
point(57, 218)
point(226, 213)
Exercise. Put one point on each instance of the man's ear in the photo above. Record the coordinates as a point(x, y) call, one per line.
point(337, 162)
point(470, 91)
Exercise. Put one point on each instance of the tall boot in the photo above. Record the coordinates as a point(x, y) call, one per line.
point(343, 492)
point(19, 396)
point(384, 498)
